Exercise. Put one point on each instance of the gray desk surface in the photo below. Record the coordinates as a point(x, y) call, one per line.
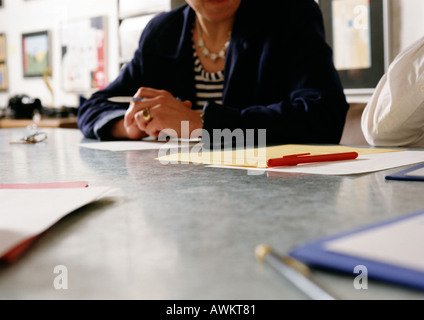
point(186, 231)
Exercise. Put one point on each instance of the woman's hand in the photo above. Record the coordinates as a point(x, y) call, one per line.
point(167, 115)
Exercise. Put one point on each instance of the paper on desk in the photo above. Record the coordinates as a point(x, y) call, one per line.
point(416, 173)
point(26, 213)
point(257, 157)
point(370, 159)
point(363, 164)
point(390, 251)
point(45, 185)
point(139, 145)
point(399, 243)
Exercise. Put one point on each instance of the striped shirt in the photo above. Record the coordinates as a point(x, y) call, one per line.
point(209, 86)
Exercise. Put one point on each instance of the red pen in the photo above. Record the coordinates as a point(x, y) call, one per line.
point(295, 159)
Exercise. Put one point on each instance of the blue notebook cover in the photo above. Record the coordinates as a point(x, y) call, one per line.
point(415, 173)
point(315, 254)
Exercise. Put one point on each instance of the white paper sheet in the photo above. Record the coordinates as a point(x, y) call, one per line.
point(416, 173)
point(363, 164)
point(26, 213)
point(139, 145)
point(399, 243)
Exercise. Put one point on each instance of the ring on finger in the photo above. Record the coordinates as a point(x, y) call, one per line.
point(146, 115)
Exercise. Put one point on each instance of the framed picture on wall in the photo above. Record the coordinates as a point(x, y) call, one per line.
point(3, 77)
point(84, 54)
point(36, 53)
point(3, 66)
point(357, 31)
point(2, 47)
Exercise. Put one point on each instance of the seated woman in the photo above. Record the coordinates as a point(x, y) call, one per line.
point(229, 64)
point(395, 114)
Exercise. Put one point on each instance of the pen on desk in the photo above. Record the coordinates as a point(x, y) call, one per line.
point(295, 159)
point(294, 271)
point(123, 99)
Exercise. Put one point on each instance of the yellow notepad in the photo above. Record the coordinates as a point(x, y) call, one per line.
point(257, 157)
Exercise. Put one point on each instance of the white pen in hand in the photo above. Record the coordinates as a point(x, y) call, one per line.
point(123, 99)
point(127, 99)
point(294, 271)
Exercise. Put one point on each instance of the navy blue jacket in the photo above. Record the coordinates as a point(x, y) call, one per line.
point(279, 74)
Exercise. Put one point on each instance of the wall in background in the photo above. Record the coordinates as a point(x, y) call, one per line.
point(407, 23)
point(23, 16)
point(19, 16)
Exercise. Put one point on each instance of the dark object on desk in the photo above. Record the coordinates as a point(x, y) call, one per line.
point(415, 173)
point(24, 107)
point(63, 112)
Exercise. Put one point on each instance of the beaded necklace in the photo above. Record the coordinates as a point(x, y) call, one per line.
point(205, 51)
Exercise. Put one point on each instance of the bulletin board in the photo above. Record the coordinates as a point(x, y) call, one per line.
point(84, 54)
point(357, 31)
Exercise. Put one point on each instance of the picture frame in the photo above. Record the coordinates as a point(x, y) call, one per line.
point(36, 53)
point(358, 33)
point(4, 84)
point(2, 47)
point(84, 55)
